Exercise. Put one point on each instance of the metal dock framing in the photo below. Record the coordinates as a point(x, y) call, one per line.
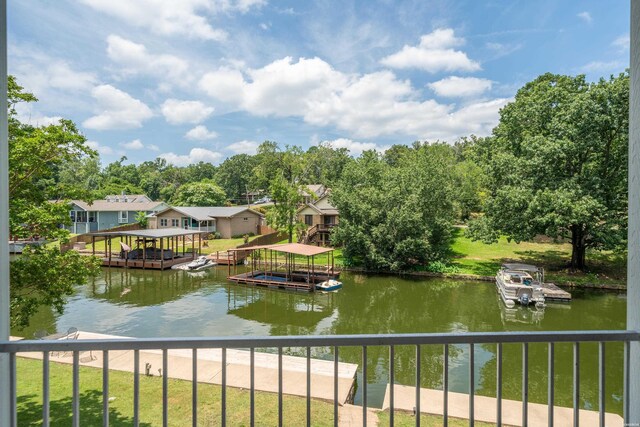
point(275, 266)
point(555, 294)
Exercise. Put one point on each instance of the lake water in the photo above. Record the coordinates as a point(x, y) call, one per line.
point(140, 303)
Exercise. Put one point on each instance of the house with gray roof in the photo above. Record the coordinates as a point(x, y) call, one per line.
point(112, 211)
point(228, 221)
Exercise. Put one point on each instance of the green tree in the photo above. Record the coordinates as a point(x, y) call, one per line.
point(557, 165)
point(203, 193)
point(396, 217)
point(235, 175)
point(42, 275)
point(141, 219)
point(324, 164)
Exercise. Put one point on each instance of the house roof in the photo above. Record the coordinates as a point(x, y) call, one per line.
point(317, 189)
point(104, 206)
point(204, 213)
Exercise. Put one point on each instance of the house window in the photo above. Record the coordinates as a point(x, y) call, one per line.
point(72, 214)
point(308, 219)
point(92, 216)
point(245, 219)
point(163, 222)
point(123, 217)
point(175, 222)
point(81, 216)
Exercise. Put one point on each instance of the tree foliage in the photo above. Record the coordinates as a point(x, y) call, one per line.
point(43, 275)
point(557, 165)
point(394, 217)
point(203, 193)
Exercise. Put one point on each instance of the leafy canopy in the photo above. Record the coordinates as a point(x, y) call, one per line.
point(557, 164)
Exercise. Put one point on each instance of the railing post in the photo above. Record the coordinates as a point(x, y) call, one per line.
point(633, 259)
point(5, 401)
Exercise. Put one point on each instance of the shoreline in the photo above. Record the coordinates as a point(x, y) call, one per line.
point(474, 277)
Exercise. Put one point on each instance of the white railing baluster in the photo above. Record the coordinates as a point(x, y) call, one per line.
point(194, 387)
point(223, 397)
point(252, 387)
point(418, 382)
point(391, 383)
point(13, 398)
point(364, 386)
point(136, 387)
point(335, 386)
point(499, 385)
point(76, 390)
point(280, 386)
point(165, 388)
point(576, 384)
point(308, 386)
point(601, 383)
point(471, 385)
point(445, 386)
point(105, 388)
point(525, 384)
point(45, 389)
point(551, 385)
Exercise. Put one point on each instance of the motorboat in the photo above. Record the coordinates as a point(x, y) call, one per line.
point(520, 284)
point(329, 285)
point(200, 263)
point(197, 264)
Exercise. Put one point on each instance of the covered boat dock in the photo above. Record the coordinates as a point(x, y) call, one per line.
point(156, 249)
point(284, 266)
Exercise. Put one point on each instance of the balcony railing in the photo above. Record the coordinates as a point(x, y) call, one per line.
point(335, 343)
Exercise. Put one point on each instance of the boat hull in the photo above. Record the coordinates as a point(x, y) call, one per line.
point(519, 294)
point(329, 286)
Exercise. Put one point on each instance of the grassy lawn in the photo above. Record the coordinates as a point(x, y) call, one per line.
point(404, 419)
point(211, 245)
point(29, 387)
point(484, 260)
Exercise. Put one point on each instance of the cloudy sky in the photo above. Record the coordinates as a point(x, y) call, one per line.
point(194, 80)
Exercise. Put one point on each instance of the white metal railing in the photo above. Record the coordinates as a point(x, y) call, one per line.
point(209, 228)
point(334, 342)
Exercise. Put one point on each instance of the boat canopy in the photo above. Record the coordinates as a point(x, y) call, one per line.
point(521, 267)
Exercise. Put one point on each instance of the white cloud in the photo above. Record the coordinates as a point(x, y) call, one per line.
point(136, 144)
point(585, 16)
point(101, 149)
point(196, 155)
point(200, 133)
point(116, 110)
point(178, 112)
point(367, 105)
point(460, 87)
point(47, 76)
point(244, 147)
point(603, 67)
point(354, 147)
point(133, 59)
point(164, 17)
point(29, 115)
point(435, 53)
point(622, 43)
point(153, 147)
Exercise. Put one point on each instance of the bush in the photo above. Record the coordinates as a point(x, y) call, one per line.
point(441, 267)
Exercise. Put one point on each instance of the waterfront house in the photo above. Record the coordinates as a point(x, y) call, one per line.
point(228, 221)
point(313, 192)
point(112, 211)
point(320, 216)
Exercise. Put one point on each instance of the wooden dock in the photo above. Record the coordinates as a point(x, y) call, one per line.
point(553, 293)
point(265, 279)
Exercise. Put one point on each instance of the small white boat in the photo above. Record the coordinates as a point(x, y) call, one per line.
point(520, 283)
point(329, 285)
point(197, 264)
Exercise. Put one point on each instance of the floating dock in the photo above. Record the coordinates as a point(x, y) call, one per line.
point(553, 293)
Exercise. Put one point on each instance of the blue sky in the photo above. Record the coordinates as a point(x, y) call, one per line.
point(194, 80)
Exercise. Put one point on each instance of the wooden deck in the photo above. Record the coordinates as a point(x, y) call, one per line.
point(555, 294)
point(223, 258)
point(148, 264)
point(253, 278)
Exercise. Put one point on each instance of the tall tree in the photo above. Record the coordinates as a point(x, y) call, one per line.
point(203, 193)
point(42, 275)
point(325, 164)
point(396, 217)
point(557, 165)
point(235, 175)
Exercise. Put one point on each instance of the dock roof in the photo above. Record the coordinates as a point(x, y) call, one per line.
point(289, 248)
point(155, 233)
